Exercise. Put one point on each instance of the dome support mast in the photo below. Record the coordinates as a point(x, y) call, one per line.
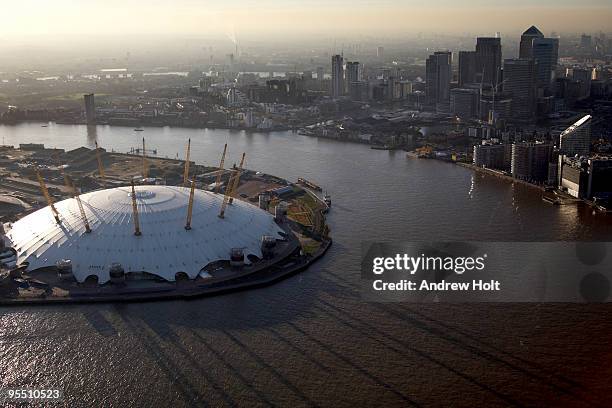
point(220, 171)
point(236, 180)
point(43, 188)
point(190, 207)
point(229, 191)
point(135, 212)
point(75, 194)
point(186, 174)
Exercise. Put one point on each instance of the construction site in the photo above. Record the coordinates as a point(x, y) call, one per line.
point(97, 225)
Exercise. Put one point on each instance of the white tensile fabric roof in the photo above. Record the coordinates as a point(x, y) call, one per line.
point(163, 249)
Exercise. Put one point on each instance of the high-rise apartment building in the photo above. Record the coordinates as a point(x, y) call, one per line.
point(530, 161)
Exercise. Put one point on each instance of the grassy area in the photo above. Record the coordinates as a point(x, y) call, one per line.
point(310, 246)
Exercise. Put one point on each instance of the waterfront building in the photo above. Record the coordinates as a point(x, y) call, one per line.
point(90, 108)
point(530, 161)
point(520, 82)
point(337, 82)
point(586, 178)
point(493, 156)
point(576, 139)
point(438, 78)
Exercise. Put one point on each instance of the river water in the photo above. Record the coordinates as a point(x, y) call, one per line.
point(310, 339)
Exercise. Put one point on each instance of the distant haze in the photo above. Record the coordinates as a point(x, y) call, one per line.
point(29, 20)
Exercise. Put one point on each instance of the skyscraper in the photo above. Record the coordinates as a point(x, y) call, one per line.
point(438, 77)
point(584, 77)
point(527, 38)
point(467, 67)
point(90, 108)
point(520, 81)
point(545, 52)
point(354, 85)
point(320, 73)
point(353, 72)
point(337, 82)
point(488, 60)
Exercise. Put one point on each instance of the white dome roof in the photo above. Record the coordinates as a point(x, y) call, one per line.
point(163, 249)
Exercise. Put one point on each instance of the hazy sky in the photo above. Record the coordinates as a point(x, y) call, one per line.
point(21, 19)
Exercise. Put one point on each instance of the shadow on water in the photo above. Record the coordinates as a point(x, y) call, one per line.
point(92, 136)
point(449, 333)
point(100, 323)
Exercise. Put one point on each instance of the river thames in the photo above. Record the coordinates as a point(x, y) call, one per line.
point(311, 340)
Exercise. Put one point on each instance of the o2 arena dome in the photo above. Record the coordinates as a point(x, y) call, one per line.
point(164, 247)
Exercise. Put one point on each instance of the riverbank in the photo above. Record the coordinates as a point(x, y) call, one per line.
point(500, 175)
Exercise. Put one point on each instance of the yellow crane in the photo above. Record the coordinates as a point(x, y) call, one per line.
point(186, 174)
point(230, 187)
point(144, 160)
point(220, 172)
point(75, 194)
point(100, 165)
point(190, 207)
point(43, 188)
point(135, 212)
